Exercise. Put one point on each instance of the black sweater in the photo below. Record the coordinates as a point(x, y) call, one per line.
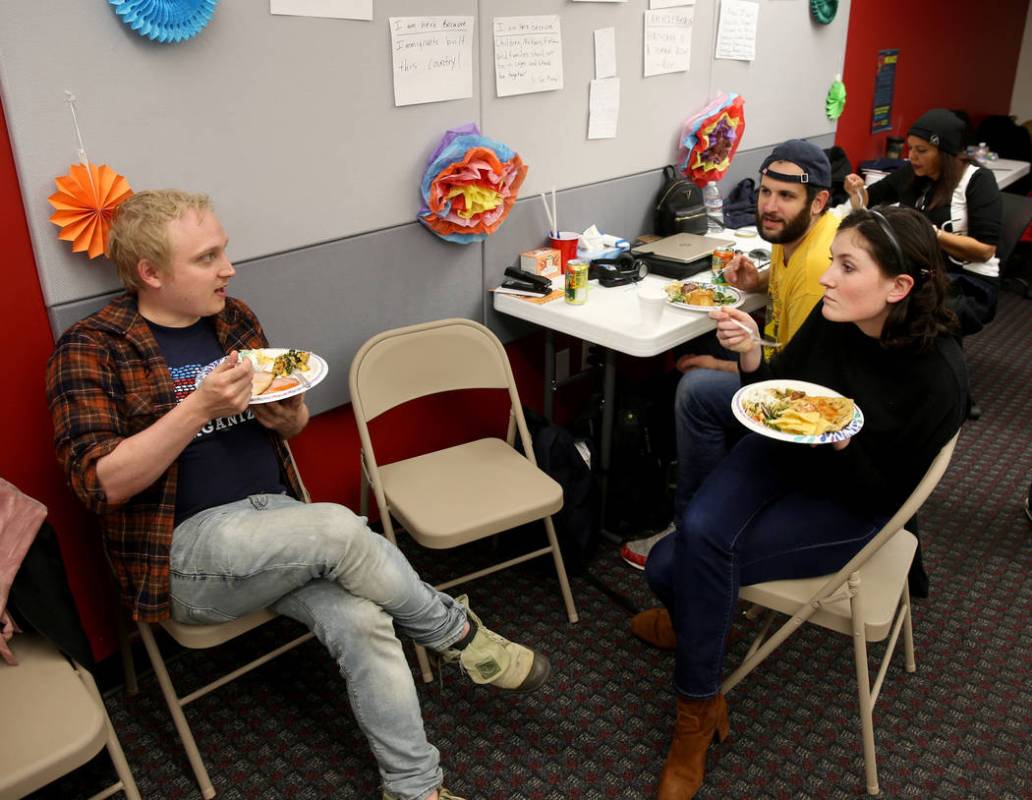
point(984, 206)
point(913, 402)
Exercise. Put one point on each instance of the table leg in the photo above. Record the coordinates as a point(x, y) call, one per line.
point(550, 384)
point(608, 414)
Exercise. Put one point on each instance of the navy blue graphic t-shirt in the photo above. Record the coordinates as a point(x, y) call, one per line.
point(231, 457)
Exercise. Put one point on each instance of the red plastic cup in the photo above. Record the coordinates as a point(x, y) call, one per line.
point(566, 244)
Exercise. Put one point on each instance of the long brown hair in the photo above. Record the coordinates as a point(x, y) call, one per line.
point(903, 242)
point(951, 170)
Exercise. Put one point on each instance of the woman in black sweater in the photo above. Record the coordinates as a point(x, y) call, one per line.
point(959, 198)
point(882, 335)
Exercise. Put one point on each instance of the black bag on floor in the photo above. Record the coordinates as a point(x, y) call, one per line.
point(641, 465)
point(577, 523)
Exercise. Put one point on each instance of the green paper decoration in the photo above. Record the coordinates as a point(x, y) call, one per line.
point(836, 100)
point(824, 10)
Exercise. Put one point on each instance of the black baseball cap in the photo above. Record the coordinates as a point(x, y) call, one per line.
point(805, 155)
point(940, 127)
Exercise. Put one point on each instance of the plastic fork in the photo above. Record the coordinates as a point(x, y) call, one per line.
point(758, 339)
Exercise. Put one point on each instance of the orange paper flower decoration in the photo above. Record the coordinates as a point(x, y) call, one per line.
point(85, 201)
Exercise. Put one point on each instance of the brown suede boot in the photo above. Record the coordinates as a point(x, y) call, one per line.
point(697, 722)
point(655, 627)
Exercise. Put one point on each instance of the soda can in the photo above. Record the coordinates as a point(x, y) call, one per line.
point(721, 258)
point(576, 281)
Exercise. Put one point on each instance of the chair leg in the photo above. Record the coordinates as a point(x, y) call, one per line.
point(424, 664)
point(863, 685)
point(363, 489)
point(908, 630)
point(114, 747)
point(560, 568)
point(125, 648)
point(176, 710)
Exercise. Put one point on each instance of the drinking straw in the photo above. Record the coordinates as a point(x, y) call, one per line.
point(555, 213)
point(548, 214)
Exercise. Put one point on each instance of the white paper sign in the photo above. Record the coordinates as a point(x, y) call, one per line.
point(528, 54)
point(668, 41)
point(736, 34)
point(334, 9)
point(605, 52)
point(433, 58)
point(670, 3)
point(603, 108)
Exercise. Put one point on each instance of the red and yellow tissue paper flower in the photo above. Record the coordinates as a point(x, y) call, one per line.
point(470, 184)
point(710, 139)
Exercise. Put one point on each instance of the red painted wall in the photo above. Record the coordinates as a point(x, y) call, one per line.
point(953, 54)
point(27, 457)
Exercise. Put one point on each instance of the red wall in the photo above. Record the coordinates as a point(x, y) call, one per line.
point(27, 457)
point(952, 54)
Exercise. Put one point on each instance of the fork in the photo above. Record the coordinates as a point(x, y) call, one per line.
point(753, 336)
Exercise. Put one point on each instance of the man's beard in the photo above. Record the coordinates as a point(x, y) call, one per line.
point(792, 230)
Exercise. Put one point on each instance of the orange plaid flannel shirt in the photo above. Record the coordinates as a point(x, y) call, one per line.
point(106, 381)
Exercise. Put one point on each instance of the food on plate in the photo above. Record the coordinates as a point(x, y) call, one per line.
point(794, 411)
point(275, 373)
point(693, 293)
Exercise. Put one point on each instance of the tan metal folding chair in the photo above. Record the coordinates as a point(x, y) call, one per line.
point(463, 493)
point(868, 599)
point(54, 722)
point(199, 637)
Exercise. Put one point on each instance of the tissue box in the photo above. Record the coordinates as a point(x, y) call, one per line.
point(544, 261)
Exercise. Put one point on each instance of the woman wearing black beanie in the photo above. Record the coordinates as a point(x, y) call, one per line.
point(959, 198)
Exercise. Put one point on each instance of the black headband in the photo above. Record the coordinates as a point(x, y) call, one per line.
point(919, 275)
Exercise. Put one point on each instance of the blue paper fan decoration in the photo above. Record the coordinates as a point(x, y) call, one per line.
point(165, 21)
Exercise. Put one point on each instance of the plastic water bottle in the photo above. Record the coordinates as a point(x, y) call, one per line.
point(714, 207)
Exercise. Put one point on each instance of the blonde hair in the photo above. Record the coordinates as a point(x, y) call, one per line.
point(140, 230)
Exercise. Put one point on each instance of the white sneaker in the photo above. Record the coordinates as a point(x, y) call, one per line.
point(636, 552)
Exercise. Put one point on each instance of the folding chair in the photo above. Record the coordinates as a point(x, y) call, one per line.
point(463, 493)
point(200, 637)
point(867, 599)
point(55, 721)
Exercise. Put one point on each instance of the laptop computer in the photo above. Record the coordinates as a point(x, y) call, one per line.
point(680, 255)
point(683, 248)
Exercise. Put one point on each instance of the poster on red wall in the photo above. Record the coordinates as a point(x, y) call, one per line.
point(884, 85)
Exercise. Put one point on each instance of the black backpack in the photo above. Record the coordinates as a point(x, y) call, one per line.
point(577, 523)
point(679, 207)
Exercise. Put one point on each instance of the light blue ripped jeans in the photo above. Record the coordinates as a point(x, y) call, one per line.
point(320, 564)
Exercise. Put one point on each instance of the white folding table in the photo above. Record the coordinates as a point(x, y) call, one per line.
point(610, 319)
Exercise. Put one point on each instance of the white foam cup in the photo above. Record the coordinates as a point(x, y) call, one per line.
point(651, 301)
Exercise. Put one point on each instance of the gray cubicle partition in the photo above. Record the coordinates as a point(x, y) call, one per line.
point(290, 124)
point(332, 297)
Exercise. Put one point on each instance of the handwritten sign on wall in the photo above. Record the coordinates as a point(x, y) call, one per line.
point(736, 33)
point(433, 58)
point(528, 54)
point(668, 41)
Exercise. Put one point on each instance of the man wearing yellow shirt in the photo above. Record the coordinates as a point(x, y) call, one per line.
point(790, 214)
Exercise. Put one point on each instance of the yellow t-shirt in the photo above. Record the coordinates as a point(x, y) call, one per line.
point(794, 289)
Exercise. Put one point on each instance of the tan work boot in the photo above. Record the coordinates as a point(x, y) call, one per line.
point(493, 659)
point(442, 794)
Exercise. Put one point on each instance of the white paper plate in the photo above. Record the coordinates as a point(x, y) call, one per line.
point(803, 386)
point(739, 298)
point(317, 370)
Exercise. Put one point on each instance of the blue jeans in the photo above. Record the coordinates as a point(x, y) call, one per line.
point(705, 428)
point(320, 564)
point(751, 521)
